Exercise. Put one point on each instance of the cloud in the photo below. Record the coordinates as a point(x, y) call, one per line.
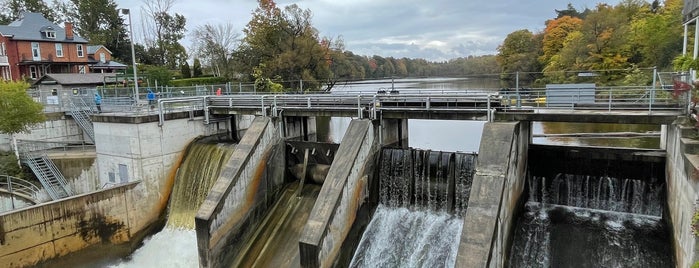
point(434, 30)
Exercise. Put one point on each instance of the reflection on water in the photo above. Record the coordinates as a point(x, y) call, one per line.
point(437, 135)
point(420, 84)
point(563, 127)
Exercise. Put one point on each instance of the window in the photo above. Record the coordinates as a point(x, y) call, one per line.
point(33, 73)
point(50, 34)
point(36, 52)
point(3, 51)
point(59, 50)
point(80, 50)
point(81, 69)
point(103, 58)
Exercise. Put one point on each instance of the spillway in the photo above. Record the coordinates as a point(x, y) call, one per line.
point(175, 245)
point(592, 221)
point(422, 196)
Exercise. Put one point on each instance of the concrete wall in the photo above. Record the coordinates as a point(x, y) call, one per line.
point(241, 195)
point(300, 128)
point(497, 187)
point(57, 127)
point(343, 193)
point(32, 235)
point(394, 132)
point(682, 178)
point(144, 152)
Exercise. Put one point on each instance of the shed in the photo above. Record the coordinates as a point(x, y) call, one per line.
point(56, 90)
point(568, 95)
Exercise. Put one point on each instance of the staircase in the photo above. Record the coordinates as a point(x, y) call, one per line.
point(34, 156)
point(81, 111)
point(49, 176)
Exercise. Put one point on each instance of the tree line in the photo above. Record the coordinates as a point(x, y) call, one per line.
point(279, 47)
point(612, 42)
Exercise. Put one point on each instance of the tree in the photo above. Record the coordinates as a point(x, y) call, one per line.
point(99, 22)
point(518, 53)
point(162, 32)
point(216, 44)
point(656, 37)
point(20, 112)
point(12, 9)
point(284, 46)
point(196, 69)
point(555, 34)
point(185, 71)
point(159, 74)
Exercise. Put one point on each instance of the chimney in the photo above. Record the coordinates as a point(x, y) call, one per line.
point(69, 30)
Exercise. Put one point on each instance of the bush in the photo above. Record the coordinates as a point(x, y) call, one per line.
point(8, 165)
point(198, 81)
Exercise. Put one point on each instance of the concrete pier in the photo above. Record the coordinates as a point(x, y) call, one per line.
point(244, 192)
point(343, 193)
point(496, 190)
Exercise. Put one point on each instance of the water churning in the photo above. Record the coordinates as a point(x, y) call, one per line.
point(422, 196)
point(590, 221)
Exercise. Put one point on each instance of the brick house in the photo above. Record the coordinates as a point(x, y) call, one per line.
point(33, 46)
point(100, 60)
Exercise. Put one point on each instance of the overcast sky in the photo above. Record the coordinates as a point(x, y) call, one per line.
point(429, 29)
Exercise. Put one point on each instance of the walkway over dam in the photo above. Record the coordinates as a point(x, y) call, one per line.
point(442, 106)
point(141, 142)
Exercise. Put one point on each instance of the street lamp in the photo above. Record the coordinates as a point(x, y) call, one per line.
point(125, 11)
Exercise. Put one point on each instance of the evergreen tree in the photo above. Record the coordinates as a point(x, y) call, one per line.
point(185, 71)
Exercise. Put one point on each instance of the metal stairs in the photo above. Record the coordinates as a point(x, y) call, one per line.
point(49, 176)
point(81, 111)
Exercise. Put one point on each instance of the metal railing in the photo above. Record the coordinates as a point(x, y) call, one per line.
point(21, 188)
point(34, 154)
point(81, 112)
point(600, 98)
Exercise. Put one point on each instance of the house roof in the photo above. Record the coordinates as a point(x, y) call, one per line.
point(30, 27)
point(108, 65)
point(74, 79)
point(93, 49)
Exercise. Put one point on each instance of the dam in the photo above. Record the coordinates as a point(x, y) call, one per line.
point(374, 180)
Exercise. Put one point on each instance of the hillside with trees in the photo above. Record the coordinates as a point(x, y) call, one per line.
point(612, 41)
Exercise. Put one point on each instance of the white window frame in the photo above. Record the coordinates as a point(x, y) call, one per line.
point(80, 50)
point(81, 69)
point(103, 58)
point(59, 50)
point(36, 51)
point(51, 34)
point(33, 72)
point(3, 49)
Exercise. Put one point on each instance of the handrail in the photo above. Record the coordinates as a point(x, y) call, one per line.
point(22, 188)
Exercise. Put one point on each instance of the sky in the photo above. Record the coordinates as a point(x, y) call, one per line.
point(435, 30)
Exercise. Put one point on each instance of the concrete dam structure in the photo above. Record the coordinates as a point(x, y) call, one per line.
point(278, 198)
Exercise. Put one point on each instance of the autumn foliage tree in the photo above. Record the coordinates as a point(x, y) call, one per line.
point(607, 39)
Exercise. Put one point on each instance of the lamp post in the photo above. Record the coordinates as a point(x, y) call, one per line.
point(125, 11)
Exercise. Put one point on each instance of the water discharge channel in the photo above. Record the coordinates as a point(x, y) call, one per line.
point(592, 221)
point(175, 245)
point(418, 220)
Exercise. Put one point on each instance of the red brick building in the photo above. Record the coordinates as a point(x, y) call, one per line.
point(33, 46)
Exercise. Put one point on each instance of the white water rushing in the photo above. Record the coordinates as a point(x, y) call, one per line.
point(171, 247)
point(399, 237)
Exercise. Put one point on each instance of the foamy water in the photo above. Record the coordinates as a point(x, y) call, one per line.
point(171, 247)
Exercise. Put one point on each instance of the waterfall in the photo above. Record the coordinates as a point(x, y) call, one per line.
point(422, 196)
point(175, 246)
point(574, 220)
point(433, 180)
point(197, 174)
point(604, 193)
